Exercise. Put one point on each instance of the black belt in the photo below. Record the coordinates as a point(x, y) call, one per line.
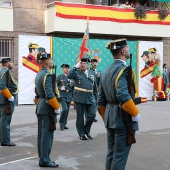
point(113, 103)
point(12, 89)
point(42, 97)
point(65, 91)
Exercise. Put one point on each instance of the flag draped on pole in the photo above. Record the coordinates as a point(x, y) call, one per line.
point(85, 46)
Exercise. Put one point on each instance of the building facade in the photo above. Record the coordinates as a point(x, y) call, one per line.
point(32, 18)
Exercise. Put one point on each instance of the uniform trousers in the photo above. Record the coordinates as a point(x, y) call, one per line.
point(118, 150)
point(81, 109)
point(64, 114)
point(45, 139)
point(5, 121)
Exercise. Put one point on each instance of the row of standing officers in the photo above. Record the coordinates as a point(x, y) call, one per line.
point(112, 97)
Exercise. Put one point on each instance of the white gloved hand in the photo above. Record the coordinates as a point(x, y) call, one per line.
point(136, 118)
point(78, 64)
point(11, 99)
point(58, 112)
point(63, 88)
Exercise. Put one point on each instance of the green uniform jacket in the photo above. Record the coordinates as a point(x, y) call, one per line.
point(82, 81)
point(13, 86)
point(97, 75)
point(67, 93)
point(114, 87)
point(43, 90)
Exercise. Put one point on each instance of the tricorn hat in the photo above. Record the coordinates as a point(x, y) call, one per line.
point(116, 44)
point(65, 65)
point(85, 60)
point(4, 60)
point(45, 56)
point(94, 60)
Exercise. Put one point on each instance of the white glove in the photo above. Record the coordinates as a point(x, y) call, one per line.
point(63, 88)
point(136, 118)
point(58, 112)
point(78, 64)
point(11, 99)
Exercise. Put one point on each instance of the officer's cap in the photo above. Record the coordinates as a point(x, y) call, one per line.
point(65, 65)
point(145, 53)
point(116, 44)
point(94, 60)
point(152, 50)
point(85, 60)
point(4, 60)
point(31, 45)
point(41, 49)
point(45, 56)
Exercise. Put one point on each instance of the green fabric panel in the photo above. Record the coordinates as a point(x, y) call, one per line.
point(66, 50)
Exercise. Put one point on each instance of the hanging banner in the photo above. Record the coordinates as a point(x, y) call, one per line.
point(106, 13)
point(150, 65)
point(30, 48)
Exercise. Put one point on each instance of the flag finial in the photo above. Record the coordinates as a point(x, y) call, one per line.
point(88, 23)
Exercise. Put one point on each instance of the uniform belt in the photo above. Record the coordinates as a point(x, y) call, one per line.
point(41, 97)
point(81, 89)
point(65, 90)
point(12, 89)
point(112, 103)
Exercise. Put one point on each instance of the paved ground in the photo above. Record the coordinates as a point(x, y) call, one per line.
point(151, 152)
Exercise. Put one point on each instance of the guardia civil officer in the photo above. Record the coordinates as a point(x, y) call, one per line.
point(113, 96)
point(84, 97)
point(8, 97)
point(65, 87)
point(94, 64)
point(46, 110)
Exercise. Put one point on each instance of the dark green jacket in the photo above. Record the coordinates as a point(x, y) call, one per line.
point(43, 90)
point(82, 81)
point(114, 88)
point(67, 84)
point(97, 75)
point(13, 85)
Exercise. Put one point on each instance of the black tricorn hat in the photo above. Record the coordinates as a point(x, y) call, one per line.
point(45, 56)
point(85, 60)
point(4, 60)
point(94, 60)
point(65, 65)
point(116, 44)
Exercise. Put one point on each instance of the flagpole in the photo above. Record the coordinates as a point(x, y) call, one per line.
point(88, 23)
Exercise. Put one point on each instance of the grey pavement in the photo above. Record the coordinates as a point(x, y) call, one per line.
point(151, 152)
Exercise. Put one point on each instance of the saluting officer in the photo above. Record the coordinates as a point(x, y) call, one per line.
point(46, 110)
point(8, 97)
point(113, 96)
point(65, 87)
point(84, 97)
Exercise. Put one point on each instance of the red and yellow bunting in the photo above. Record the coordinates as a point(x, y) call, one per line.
point(147, 70)
point(106, 13)
point(31, 65)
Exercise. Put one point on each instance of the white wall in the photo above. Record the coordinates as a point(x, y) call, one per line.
point(75, 1)
point(6, 19)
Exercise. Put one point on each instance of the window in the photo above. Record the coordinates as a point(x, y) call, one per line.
point(6, 47)
point(5, 3)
